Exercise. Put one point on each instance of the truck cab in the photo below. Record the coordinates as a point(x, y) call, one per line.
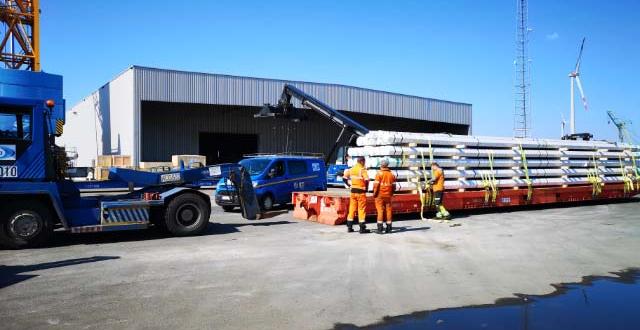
point(36, 197)
point(274, 178)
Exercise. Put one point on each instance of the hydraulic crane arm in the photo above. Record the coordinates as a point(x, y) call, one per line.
point(286, 109)
point(320, 107)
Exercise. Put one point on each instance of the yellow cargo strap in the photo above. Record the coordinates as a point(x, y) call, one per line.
point(430, 199)
point(636, 171)
point(404, 159)
point(628, 182)
point(489, 182)
point(485, 186)
point(494, 182)
point(594, 178)
point(425, 190)
point(525, 166)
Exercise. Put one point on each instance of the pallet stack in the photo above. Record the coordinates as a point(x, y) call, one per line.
point(105, 162)
point(474, 162)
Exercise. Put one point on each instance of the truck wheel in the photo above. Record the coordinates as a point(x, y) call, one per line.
point(26, 225)
point(266, 203)
point(187, 214)
point(228, 208)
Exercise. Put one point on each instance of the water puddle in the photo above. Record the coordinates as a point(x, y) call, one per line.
point(595, 303)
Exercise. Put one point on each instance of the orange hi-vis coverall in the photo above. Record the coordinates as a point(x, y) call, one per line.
point(438, 178)
point(383, 189)
point(358, 198)
point(438, 194)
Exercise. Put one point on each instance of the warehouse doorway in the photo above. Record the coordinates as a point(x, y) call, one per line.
point(226, 148)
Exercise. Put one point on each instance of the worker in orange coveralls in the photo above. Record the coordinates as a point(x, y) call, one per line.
point(358, 198)
point(437, 183)
point(383, 188)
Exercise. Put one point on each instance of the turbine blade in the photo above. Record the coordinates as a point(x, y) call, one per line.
point(584, 99)
point(580, 56)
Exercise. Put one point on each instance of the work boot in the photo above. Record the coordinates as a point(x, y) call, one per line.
point(380, 229)
point(363, 229)
point(388, 229)
point(350, 226)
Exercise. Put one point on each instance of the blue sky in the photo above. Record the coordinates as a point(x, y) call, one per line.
point(454, 50)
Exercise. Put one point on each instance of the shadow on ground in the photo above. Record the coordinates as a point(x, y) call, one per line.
point(10, 275)
point(61, 239)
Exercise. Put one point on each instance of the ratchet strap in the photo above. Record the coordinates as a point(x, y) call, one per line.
point(628, 182)
point(525, 167)
point(430, 199)
point(636, 170)
point(594, 178)
point(489, 182)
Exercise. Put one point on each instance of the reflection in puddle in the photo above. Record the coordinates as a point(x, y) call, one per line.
point(595, 303)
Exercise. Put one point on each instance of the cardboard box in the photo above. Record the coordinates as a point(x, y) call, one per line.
point(105, 161)
point(188, 160)
point(121, 160)
point(101, 173)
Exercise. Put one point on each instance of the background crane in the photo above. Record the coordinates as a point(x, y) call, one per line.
point(20, 34)
point(624, 135)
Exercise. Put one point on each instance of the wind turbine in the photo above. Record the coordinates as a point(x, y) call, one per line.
point(575, 79)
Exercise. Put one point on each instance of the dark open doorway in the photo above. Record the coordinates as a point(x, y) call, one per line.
point(226, 148)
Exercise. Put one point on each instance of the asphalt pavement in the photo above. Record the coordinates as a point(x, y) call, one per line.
point(282, 273)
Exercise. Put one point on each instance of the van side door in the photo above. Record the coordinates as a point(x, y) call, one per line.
point(277, 182)
point(297, 173)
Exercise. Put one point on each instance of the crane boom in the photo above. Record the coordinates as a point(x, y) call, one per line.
point(286, 109)
point(621, 125)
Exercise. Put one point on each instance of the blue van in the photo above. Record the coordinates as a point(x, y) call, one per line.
point(334, 175)
point(274, 178)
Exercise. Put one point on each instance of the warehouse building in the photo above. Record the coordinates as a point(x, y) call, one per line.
point(152, 114)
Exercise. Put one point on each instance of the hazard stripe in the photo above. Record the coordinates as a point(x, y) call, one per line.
point(122, 215)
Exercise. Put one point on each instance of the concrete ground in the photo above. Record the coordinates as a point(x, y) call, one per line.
point(281, 273)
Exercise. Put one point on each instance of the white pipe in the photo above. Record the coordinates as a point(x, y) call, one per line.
point(377, 138)
point(374, 162)
point(506, 183)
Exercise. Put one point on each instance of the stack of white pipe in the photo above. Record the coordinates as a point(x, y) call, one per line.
point(467, 160)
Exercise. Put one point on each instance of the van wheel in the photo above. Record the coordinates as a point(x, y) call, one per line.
point(187, 214)
point(26, 225)
point(228, 208)
point(266, 203)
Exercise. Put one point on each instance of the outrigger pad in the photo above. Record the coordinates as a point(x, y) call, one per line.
point(248, 200)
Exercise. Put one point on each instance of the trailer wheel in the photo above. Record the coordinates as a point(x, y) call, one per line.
point(228, 208)
point(187, 214)
point(26, 225)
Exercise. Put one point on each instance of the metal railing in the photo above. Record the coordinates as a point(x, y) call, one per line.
point(297, 154)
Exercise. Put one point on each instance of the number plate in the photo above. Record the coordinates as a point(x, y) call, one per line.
point(214, 171)
point(225, 198)
point(8, 171)
point(170, 177)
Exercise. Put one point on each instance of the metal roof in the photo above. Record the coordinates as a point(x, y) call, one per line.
point(152, 84)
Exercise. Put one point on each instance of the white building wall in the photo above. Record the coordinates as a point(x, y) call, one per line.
point(81, 131)
point(121, 114)
point(101, 123)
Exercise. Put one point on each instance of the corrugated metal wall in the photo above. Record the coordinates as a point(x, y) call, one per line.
point(192, 87)
point(173, 128)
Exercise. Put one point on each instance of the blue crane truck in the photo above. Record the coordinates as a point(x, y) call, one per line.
point(36, 198)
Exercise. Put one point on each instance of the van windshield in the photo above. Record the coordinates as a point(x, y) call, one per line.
point(255, 166)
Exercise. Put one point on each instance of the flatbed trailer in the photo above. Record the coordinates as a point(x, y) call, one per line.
point(331, 207)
